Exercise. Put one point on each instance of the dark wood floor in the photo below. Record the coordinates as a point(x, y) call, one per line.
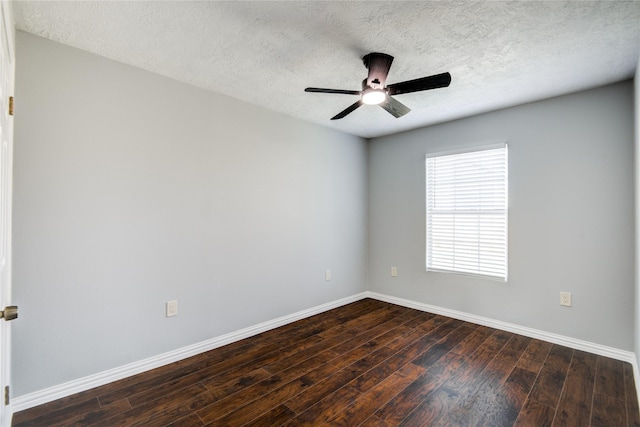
point(368, 363)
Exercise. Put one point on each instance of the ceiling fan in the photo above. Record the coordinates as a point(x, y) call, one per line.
point(376, 92)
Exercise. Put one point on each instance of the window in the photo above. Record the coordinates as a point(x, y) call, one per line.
point(467, 212)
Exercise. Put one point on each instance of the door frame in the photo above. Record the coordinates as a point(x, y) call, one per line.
point(7, 74)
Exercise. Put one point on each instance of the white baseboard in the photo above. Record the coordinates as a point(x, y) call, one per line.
point(30, 400)
point(602, 350)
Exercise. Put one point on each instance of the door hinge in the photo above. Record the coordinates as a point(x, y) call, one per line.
point(11, 105)
point(6, 395)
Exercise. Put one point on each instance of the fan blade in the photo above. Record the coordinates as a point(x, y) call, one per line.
point(378, 65)
point(395, 107)
point(347, 110)
point(425, 83)
point(321, 90)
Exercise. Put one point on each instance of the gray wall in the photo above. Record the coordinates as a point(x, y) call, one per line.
point(132, 189)
point(571, 216)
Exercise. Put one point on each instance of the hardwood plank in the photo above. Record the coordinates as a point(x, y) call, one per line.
point(517, 345)
point(177, 403)
point(574, 408)
point(419, 319)
point(478, 375)
point(82, 417)
point(548, 387)
point(500, 367)
point(283, 361)
point(188, 421)
point(461, 335)
point(254, 409)
point(471, 342)
point(633, 414)
point(235, 401)
point(580, 381)
point(339, 316)
point(315, 325)
point(325, 409)
point(160, 381)
point(301, 346)
point(65, 402)
point(487, 351)
point(277, 416)
point(534, 356)
point(610, 378)
point(509, 399)
point(498, 407)
point(394, 411)
point(188, 380)
point(534, 414)
point(608, 411)
point(324, 387)
point(163, 373)
point(378, 372)
point(436, 405)
point(390, 321)
point(22, 417)
point(431, 356)
point(221, 390)
point(432, 323)
point(100, 415)
point(365, 405)
point(394, 363)
point(300, 379)
point(315, 366)
point(175, 411)
point(62, 416)
point(468, 379)
point(374, 421)
point(408, 340)
point(572, 415)
point(449, 335)
point(444, 329)
point(318, 323)
point(362, 323)
point(480, 390)
point(461, 385)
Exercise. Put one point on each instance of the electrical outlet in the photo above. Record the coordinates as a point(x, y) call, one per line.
point(172, 308)
point(394, 271)
point(327, 275)
point(565, 299)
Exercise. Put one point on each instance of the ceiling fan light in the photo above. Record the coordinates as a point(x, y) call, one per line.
point(373, 96)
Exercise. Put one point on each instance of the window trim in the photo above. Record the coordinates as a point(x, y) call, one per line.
point(464, 150)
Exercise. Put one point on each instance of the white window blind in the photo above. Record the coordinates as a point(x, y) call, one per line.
point(467, 212)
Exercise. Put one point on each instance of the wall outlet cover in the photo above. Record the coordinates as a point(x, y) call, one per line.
point(565, 299)
point(172, 308)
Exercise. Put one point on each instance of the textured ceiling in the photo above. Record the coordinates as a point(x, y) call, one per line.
point(498, 53)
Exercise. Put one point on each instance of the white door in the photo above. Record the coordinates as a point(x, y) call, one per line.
point(7, 67)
